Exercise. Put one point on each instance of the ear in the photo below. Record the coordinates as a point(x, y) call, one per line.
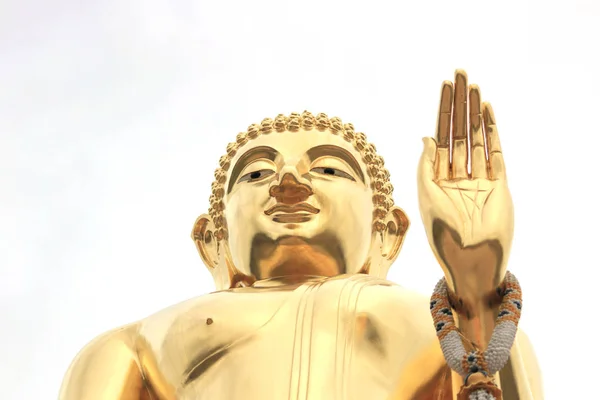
point(206, 243)
point(397, 224)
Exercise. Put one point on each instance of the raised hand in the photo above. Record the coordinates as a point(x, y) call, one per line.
point(463, 193)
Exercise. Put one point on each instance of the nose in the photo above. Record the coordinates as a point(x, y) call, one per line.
point(290, 190)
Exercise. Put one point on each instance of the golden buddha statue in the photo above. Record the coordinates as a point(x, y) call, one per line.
point(299, 237)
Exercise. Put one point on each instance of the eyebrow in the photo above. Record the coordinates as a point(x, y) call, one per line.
point(251, 155)
point(338, 152)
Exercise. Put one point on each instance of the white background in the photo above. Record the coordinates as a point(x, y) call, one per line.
point(113, 115)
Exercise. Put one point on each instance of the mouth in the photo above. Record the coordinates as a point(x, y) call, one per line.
point(292, 209)
point(292, 213)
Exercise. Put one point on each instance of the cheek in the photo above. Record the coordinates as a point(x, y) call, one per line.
point(246, 202)
point(243, 210)
point(350, 206)
point(351, 218)
point(244, 213)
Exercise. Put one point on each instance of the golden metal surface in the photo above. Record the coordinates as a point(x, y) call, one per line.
point(300, 248)
point(467, 209)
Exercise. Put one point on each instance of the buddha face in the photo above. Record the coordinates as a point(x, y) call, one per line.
point(298, 203)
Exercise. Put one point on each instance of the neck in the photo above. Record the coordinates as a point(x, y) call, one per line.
point(295, 256)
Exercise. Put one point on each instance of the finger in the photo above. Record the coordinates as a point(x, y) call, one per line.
point(478, 159)
point(427, 163)
point(495, 159)
point(459, 127)
point(445, 115)
point(443, 131)
point(460, 158)
point(442, 170)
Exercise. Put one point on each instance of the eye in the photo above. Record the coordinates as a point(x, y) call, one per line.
point(256, 175)
point(332, 172)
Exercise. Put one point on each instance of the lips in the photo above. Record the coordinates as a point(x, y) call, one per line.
point(292, 208)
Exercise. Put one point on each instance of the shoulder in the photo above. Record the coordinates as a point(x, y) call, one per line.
point(197, 309)
point(119, 341)
point(108, 363)
point(111, 364)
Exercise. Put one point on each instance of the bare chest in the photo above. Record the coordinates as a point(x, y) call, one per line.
point(337, 339)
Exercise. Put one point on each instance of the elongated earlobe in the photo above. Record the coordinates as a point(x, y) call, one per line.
point(397, 224)
point(203, 235)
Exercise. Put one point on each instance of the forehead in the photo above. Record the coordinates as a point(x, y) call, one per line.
point(292, 145)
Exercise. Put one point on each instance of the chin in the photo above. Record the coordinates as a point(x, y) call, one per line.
point(301, 227)
point(299, 230)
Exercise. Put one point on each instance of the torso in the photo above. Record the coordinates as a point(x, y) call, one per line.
point(349, 337)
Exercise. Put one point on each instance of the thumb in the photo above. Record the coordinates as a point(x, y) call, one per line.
point(427, 163)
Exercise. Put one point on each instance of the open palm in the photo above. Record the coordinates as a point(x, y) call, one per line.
point(463, 193)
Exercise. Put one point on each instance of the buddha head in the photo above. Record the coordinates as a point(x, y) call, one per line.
point(299, 196)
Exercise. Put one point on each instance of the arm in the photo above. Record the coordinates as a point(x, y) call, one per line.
point(530, 367)
point(106, 369)
point(467, 211)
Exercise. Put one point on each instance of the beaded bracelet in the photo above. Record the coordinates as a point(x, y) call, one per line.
point(477, 367)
